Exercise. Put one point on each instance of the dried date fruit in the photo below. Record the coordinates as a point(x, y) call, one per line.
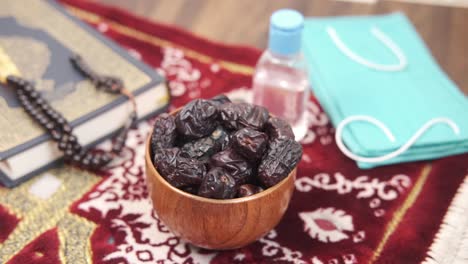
point(178, 170)
point(248, 190)
point(255, 117)
point(164, 132)
point(220, 99)
point(282, 156)
point(278, 128)
point(165, 161)
point(226, 141)
point(218, 184)
point(197, 119)
point(236, 116)
point(207, 146)
point(229, 114)
point(221, 137)
point(234, 164)
point(250, 143)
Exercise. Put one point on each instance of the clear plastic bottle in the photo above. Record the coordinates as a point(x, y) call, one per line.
point(280, 82)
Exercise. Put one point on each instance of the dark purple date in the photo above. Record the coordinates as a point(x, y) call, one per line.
point(218, 184)
point(205, 147)
point(197, 119)
point(236, 116)
point(278, 128)
point(234, 164)
point(220, 99)
point(164, 132)
point(179, 171)
point(250, 143)
point(281, 158)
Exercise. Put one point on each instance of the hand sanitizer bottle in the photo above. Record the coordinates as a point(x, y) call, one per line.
point(280, 81)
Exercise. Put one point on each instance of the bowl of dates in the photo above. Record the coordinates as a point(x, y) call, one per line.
point(221, 174)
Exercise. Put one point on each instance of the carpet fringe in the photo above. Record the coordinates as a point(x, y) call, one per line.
point(450, 245)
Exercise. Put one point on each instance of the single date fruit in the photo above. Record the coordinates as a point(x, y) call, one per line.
point(235, 116)
point(229, 114)
point(178, 170)
point(248, 190)
point(278, 128)
point(218, 184)
point(197, 119)
point(207, 146)
point(234, 164)
point(164, 132)
point(220, 99)
point(282, 156)
point(250, 143)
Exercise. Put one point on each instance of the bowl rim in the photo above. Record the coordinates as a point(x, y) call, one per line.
point(149, 162)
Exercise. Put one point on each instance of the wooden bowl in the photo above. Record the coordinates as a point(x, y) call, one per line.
point(217, 224)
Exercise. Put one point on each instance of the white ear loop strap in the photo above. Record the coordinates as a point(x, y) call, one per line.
point(388, 133)
point(387, 41)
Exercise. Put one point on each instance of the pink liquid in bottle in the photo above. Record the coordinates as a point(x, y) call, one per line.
point(284, 91)
point(280, 82)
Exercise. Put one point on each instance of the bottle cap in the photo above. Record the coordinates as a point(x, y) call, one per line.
point(285, 31)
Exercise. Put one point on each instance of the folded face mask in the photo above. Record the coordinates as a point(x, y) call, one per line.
point(378, 66)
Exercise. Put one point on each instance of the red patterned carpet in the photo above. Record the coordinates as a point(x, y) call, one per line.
point(407, 213)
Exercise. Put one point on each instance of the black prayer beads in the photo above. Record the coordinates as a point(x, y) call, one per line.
point(59, 128)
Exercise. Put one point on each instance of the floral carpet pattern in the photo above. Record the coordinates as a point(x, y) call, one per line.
point(338, 214)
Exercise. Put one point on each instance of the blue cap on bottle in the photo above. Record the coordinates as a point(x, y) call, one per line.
point(285, 31)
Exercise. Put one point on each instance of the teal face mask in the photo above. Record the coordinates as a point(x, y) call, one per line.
point(378, 67)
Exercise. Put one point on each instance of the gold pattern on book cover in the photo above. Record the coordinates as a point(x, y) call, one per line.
point(14, 58)
point(7, 67)
point(40, 215)
point(81, 98)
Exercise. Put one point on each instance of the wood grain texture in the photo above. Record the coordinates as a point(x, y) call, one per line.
point(245, 22)
point(217, 224)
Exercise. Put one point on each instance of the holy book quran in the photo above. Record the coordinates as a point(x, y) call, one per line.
point(39, 40)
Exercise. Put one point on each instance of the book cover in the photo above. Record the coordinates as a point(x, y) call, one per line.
point(39, 40)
